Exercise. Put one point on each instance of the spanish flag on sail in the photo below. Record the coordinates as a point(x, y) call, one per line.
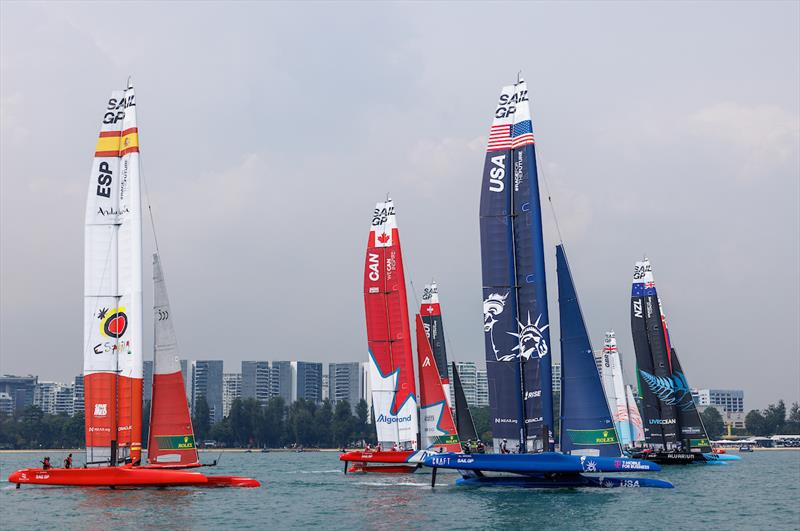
point(117, 143)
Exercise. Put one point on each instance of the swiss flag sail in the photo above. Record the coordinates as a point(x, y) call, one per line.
point(388, 332)
point(171, 442)
point(431, 314)
point(438, 428)
point(112, 356)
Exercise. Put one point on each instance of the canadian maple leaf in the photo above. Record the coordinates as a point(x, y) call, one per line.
point(383, 238)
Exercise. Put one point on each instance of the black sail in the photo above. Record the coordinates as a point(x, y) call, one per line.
point(692, 431)
point(464, 423)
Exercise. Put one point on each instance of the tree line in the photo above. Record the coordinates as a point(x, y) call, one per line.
point(773, 420)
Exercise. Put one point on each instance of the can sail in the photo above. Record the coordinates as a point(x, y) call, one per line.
point(437, 427)
point(431, 313)
point(171, 440)
point(112, 359)
point(388, 333)
point(516, 322)
point(614, 386)
point(465, 425)
point(586, 424)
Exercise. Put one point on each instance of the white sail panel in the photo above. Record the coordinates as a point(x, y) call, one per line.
point(167, 358)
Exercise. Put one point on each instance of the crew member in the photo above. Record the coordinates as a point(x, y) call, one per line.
point(504, 447)
point(68, 461)
point(46, 463)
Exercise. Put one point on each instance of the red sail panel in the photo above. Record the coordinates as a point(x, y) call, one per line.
point(102, 412)
point(171, 442)
point(388, 331)
point(438, 427)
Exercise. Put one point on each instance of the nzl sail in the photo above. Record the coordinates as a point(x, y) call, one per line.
point(171, 440)
point(516, 322)
point(438, 428)
point(388, 333)
point(112, 357)
point(586, 424)
point(615, 388)
point(654, 364)
point(431, 313)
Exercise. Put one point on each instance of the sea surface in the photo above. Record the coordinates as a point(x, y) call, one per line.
point(308, 491)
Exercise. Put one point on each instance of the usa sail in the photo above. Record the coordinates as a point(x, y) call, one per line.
point(516, 321)
point(615, 388)
point(112, 356)
point(171, 440)
point(388, 333)
point(431, 313)
point(437, 427)
point(586, 424)
point(465, 425)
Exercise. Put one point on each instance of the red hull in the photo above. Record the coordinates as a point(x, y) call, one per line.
point(124, 476)
point(380, 462)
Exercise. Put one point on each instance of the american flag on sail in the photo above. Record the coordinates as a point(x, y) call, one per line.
point(508, 136)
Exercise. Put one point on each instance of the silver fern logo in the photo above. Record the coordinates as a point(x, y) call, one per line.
point(672, 391)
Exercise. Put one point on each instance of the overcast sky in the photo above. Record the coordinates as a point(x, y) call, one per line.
point(269, 130)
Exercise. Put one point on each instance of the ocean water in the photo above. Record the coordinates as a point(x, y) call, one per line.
point(309, 491)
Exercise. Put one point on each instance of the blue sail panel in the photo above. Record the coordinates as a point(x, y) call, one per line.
point(586, 424)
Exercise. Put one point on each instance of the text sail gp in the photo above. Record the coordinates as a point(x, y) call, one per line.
point(516, 321)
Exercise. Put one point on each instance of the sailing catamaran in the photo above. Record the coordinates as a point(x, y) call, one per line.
point(673, 427)
point(394, 396)
point(517, 336)
point(113, 334)
point(615, 388)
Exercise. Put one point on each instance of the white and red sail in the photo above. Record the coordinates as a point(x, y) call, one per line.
point(112, 359)
point(171, 440)
point(431, 313)
point(438, 429)
point(615, 388)
point(388, 333)
point(637, 428)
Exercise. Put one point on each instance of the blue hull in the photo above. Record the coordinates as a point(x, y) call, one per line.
point(541, 463)
point(718, 459)
point(563, 482)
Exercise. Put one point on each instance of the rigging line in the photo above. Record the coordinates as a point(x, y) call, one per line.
point(147, 197)
point(547, 187)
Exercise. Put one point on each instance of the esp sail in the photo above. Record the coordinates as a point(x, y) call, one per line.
point(464, 422)
point(437, 427)
point(388, 333)
point(112, 358)
point(615, 388)
point(586, 424)
point(171, 440)
point(431, 313)
point(516, 321)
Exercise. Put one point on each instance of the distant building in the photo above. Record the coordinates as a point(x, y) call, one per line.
point(54, 398)
point(307, 381)
point(207, 382)
point(345, 381)
point(729, 403)
point(280, 378)
point(187, 380)
point(556, 379)
point(256, 380)
point(231, 390)
point(77, 395)
point(6, 404)
point(366, 387)
point(474, 382)
point(326, 387)
point(20, 389)
point(147, 373)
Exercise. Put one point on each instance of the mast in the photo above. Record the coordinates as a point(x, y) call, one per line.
point(587, 427)
point(388, 332)
point(113, 289)
point(431, 313)
point(516, 322)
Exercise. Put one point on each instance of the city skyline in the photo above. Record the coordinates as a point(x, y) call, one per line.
point(643, 149)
